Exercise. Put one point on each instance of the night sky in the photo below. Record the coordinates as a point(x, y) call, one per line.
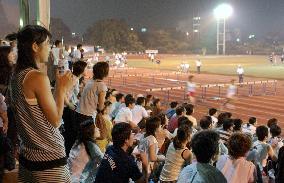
point(250, 16)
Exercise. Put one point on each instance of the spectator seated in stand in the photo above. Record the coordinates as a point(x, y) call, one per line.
point(234, 166)
point(85, 156)
point(205, 147)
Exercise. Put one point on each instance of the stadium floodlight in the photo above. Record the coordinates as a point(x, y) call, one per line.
point(221, 13)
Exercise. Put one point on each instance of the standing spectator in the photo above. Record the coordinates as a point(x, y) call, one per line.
point(227, 130)
point(117, 165)
point(198, 65)
point(93, 96)
point(77, 53)
point(67, 57)
point(6, 68)
point(240, 71)
point(42, 153)
point(57, 53)
point(250, 127)
point(71, 103)
point(234, 166)
point(191, 86)
point(177, 155)
point(85, 156)
point(205, 147)
point(282, 58)
point(213, 113)
point(173, 123)
point(139, 112)
point(172, 110)
point(156, 107)
point(13, 43)
point(125, 114)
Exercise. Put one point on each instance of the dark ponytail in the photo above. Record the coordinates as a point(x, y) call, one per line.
point(183, 134)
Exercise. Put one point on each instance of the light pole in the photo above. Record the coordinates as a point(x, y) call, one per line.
point(222, 12)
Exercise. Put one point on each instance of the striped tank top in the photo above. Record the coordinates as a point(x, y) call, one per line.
point(39, 140)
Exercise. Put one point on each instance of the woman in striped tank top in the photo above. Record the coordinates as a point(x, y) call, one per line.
point(42, 153)
point(177, 155)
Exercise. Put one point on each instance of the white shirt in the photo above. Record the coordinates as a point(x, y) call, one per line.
point(123, 115)
point(232, 90)
point(214, 120)
point(236, 169)
point(240, 70)
point(89, 98)
point(66, 55)
point(138, 113)
point(198, 63)
point(77, 55)
point(190, 86)
point(55, 52)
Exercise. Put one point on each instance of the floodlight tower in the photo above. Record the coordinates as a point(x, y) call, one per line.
point(221, 13)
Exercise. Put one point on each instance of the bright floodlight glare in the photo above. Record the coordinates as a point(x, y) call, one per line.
point(223, 11)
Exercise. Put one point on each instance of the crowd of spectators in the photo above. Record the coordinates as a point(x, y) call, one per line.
point(80, 130)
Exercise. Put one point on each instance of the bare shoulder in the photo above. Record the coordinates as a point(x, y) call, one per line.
point(36, 78)
point(36, 75)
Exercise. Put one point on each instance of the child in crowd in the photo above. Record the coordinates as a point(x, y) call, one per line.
point(190, 87)
point(234, 166)
point(177, 155)
point(85, 156)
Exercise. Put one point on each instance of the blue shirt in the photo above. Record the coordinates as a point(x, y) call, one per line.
point(117, 166)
